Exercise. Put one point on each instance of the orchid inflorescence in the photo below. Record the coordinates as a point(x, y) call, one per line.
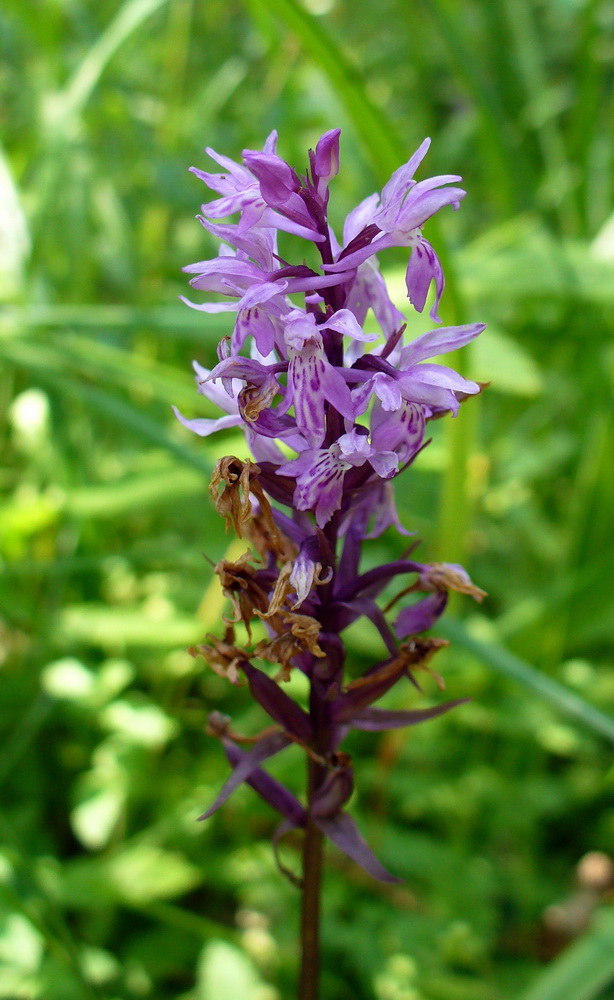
point(332, 414)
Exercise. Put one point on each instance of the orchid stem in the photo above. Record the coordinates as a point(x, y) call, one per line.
point(312, 890)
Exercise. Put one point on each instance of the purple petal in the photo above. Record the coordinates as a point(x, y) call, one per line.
point(319, 482)
point(204, 426)
point(210, 307)
point(305, 570)
point(421, 616)
point(415, 390)
point(423, 202)
point(271, 790)
point(344, 322)
point(359, 218)
point(385, 511)
point(326, 161)
point(254, 322)
point(385, 463)
point(343, 832)
point(424, 266)
point(443, 377)
point(375, 720)
point(352, 260)
point(259, 244)
point(337, 392)
point(243, 368)
point(277, 703)
point(333, 793)
point(401, 431)
point(244, 768)
point(369, 291)
point(440, 341)
point(398, 185)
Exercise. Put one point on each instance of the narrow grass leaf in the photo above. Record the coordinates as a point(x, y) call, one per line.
point(517, 669)
point(583, 970)
point(376, 133)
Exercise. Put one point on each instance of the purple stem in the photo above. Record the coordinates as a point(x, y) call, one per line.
point(312, 891)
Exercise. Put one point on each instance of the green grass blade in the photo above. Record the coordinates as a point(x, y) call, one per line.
point(47, 366)
point(528, 52)
point(583, 970)
point(79, 88)
point(501, 143)
point(517, 669)
point(379, 139)
point(178, 322)
point(40, 909)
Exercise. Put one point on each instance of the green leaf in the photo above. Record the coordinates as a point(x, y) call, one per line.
point(48, 366)
point(111, 500)
point(99, 625)
point(512, 666)
point(79, 88)
point(144, 872)
point(583, 970)
point(378, 137)
point(225, 971)
point(511, 368)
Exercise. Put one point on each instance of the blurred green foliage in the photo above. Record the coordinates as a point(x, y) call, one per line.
point(108, 887)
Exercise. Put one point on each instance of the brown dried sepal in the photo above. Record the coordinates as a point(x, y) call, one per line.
point(267, 541)
point(421, 651)
point(255, 398)
point(281, 591)
point(238, 479)
point(446, 576)
point(413, 655)
point(296, 634)
point(239, 584)
point(220, 725)
point(222, 655)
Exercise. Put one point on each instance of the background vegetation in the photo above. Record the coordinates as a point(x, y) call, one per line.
point(108, 887)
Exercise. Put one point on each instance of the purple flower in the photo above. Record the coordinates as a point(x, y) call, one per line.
point(331, 417)
point(404, 206)
point(434, 386)
point(319, 472)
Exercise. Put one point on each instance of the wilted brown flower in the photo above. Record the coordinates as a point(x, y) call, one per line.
point(222, 655)
point(300, 634)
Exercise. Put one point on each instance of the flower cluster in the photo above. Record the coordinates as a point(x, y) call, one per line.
point(331, 414)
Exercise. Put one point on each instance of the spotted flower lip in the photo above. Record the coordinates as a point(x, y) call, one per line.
point(332, 413)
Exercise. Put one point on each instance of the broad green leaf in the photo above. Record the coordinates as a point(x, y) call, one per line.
point(21, 945)
point(175, 321)
point(14, 236)
point(48, 368)
point(68, 679)
point(94, 819)
point(525, 260)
